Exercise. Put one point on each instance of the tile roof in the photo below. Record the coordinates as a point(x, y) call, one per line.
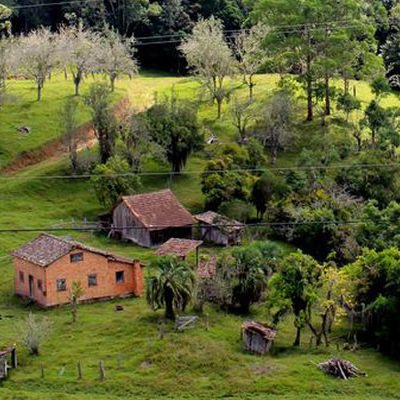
point(220, 221)
point(263, 330)
point(159, 210)
point(178, 247)
point(46, 249)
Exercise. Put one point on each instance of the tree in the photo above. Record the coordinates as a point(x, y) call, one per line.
point(275, 128)
point(77, 48)
point(269, 186)
point(242, 114)
point(294, 288)
point(5, 23)
point(171, 286)
point(348, 104)
point(36, 52)
point(248, 277)
point(381, 184)
point(375, 277)
point(34, 330)
point(314, 46)
point(134, 140)
point(98, 99)
point(115, 56)
point(113, 180)
point(76, 293)
point(173, 125)
point(376, 119)
point(69, 124)
point(251, 54)
point(8, 62)
point(210, 58)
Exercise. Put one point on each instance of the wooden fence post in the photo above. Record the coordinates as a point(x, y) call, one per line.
point(41, 371)
point(102, 371)
point(79, 366)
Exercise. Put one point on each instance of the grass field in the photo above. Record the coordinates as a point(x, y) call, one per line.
point(198, 364)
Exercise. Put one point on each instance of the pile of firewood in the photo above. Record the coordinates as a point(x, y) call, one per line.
point(340, 369)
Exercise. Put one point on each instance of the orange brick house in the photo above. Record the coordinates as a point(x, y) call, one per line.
point(46, 268)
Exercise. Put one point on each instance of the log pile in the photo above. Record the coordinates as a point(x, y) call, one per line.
point(342, 369)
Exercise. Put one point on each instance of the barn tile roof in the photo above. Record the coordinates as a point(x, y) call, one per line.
point(178, 247)
point(263, 330)
point(46, 249)
point(159, 210)
point(221, 221)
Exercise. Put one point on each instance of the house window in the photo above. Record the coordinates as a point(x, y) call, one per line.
point(77, 257)
point(39, 284)
point(21, 277)
point(120, 276)
point(92, 280)
point(61, 285)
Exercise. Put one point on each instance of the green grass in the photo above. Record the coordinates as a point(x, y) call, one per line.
point(194, 365)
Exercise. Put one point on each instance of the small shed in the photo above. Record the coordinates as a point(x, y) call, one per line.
point(180, 248)
point(8, 360)
point(220, 230)
point(257, 338)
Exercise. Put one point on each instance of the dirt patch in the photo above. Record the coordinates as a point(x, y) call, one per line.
point(263, 369)
point(56, 148)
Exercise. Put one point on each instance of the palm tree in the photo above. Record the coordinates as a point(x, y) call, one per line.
point(172, 287)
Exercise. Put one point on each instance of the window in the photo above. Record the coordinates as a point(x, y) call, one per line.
point(21, 277)
point(76, 257)
point(39, 284)
point(61, 285)
point(92, 280)
point(120, 277)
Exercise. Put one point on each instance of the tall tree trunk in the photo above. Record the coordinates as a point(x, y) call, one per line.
point(169, 306)
point(327, 96)
point(251, 88)
point(219, 105)
point(298, 334)
point(39, 92)
point(310, 111)
point(112, 82)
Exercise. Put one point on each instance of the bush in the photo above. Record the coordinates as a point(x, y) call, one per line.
point(34, 330)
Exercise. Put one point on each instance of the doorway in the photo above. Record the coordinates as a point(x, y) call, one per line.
point(31, 286)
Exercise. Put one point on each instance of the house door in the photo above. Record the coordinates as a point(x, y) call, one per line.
point(30, 286)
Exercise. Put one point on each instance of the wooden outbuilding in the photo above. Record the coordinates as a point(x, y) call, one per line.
point(220, 230)
point(151, 219)
point(257, 338)
point(46, 268)
point(8, 360)
point(180, 248)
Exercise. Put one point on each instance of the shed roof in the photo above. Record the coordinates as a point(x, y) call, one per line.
point(158, 210)
point(265, 331)
point(46, 249)
point(220, 221)
point(178, 247)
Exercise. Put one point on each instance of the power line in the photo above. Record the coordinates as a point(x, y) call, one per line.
point(199, 172)
point(101, 228)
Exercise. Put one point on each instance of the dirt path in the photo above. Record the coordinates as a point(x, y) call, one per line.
point(56, 149)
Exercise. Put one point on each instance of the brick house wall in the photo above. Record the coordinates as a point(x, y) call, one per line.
point(103, 268)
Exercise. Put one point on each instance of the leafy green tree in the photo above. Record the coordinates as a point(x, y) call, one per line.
point(171, 286)
point(5, 15)
point(294, 288)
point(173, 125)
point(266, 188)
point(98, 99)
point(376, 279)
point(113, 180)
point(220, 183)
point(77, 292)
point(348, 104)
point(381, 184)
point(315, 43)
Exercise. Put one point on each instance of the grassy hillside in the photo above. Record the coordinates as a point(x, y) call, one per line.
point(198, 364)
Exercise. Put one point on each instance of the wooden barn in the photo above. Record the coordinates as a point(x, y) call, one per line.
point(257, 338)
point(220, 230)
point(151, 219)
